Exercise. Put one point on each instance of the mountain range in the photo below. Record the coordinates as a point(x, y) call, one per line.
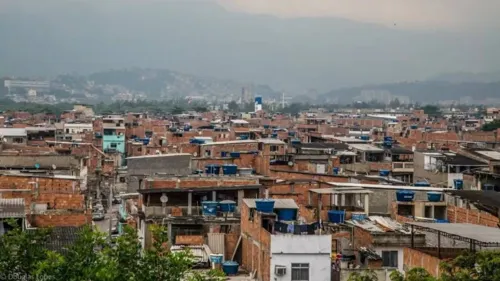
point(298, 55)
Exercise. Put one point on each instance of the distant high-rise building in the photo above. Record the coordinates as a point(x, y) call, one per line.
point(258, 103)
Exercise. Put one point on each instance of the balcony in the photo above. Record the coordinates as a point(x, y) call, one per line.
point(182, 211)
point(402, 167)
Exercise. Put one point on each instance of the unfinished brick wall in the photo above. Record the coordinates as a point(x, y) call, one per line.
point(256, 244)
point(189, 240)
point(189, 183)
point(462, 215)
point(61, 201)
point(61, 220)
point(45, 184)
point(231, 239)
point(414, 258)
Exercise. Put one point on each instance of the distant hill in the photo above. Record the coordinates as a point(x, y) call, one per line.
point(462, 77)
point(161, 83)
point(423, 92)
point(49, 37)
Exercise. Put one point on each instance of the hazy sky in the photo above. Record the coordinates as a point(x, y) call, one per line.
point(427, 14)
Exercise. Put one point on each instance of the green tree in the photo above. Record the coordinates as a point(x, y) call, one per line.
point(491, 126)
point(21, 251)
point(93, 257)
point(479, 266)
point(431, 110)
point(233, 106)
point(177, 110)
point(414, 274)
point(367, 275)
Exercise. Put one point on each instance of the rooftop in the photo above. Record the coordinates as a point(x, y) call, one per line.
point(239, 121)
point(159, 155)
point(278, 203)
point(12, 132)
point(271, 141)
point(366, 147)
point(321, 145)
point(12, 208)
point(479, 234)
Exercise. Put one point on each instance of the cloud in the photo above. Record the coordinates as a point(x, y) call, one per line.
point(433, 14)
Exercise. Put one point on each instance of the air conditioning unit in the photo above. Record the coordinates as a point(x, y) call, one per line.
point(280, 270)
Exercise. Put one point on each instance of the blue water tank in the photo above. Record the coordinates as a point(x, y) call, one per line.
point(229, 169)
point(384, 173)
point(212, 169)
point(458, 184)
point(336, 216)
point(209, 208)
point(266, 126)
point(413, 127)
point(235, 154)
point(422, 184)
point(227, 206)
point(216, 258)
point(291, 134)
point(365, 138)
point(230, 268)
point(442, 221)
point(405, 195)
point(224, 153)
point(336, 170)
point(287, 214)
point(388, 138)
point(243, 137)
point(358, 216)
point(145, 141)
point(264, 205)
point(434, 196)
point(387, 144)
point(274, 136)
point(296, 142)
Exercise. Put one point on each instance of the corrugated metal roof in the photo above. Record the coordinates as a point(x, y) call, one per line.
point(278, 203)
point(12, 208)
point(200, 253)
point(366, 147)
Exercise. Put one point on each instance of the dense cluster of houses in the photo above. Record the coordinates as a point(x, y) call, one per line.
point(310, 197)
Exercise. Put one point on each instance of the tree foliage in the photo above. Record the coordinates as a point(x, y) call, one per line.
point(93, 257)
point(491, 126)
point(470, 266)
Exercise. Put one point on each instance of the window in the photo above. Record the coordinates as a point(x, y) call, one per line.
point(67, 131)
point(300, 272)
point(273, 148)
point(113, 145)
point(390, 258)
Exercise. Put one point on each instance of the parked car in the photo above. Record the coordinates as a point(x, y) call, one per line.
point(98, 216)
point(117, 200)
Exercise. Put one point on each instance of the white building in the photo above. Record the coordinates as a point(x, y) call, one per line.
point(301, 257)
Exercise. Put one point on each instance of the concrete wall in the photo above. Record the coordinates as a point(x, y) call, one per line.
point(314, 250)
point(119, 140)
point(382, 274)
point(380, 249)
point(45, 161)
point(419, 173)
point(381, 200)
point(177, 165)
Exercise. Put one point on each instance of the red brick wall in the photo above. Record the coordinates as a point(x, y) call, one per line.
point(255, 256)
point(413, 258)
point(202, 182)
point(189, 240)
point(61, 220)
point(45, 185)
point(463, 215)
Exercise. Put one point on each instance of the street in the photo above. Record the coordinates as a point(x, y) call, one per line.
point(103, 225)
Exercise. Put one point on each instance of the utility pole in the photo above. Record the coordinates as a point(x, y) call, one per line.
point(110, 202)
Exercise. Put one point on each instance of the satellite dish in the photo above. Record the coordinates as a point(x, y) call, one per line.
point(164, 198)
point(54, 166)
point(37, 166)
point(290, 163)
point(195, 154)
